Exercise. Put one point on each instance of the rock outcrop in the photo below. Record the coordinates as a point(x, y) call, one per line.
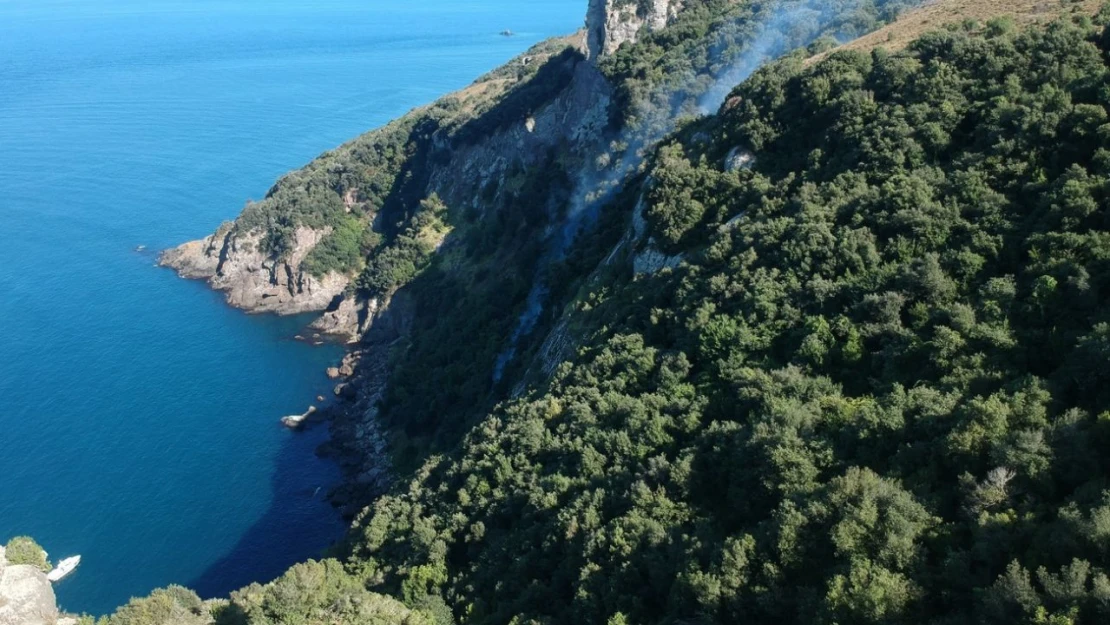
point(575, 117)
point(26, 597)
point(234, 262)
point(349, 316)
point(610, 23)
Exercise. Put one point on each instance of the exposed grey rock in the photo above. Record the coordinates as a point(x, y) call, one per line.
point(26, 597)
point(731, 223)
point(346, 391)
point(233, 262)
point(297, 420)
point(348, 316)
point(651, 260)
point(575, 117)
point(610, 23)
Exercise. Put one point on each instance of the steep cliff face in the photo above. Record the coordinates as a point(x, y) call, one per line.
point(26, 597)
point(610, 23)
point(234, 262)
point(572, 119)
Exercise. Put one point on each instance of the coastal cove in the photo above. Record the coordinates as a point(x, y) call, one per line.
point(141, 426)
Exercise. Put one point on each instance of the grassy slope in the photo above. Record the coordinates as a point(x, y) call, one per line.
point(935, 14)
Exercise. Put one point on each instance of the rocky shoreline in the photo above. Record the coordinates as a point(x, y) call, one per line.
point(234, 260)
point(368, 328)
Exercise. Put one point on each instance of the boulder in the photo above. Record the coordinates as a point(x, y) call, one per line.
point(26, 597)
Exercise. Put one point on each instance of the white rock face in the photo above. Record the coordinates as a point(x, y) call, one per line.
point(235, 264)
point(652, 260)
point(738, 159)
point(26, 597)
point(609, 23)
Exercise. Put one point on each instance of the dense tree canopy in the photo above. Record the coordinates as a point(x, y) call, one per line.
point(874, 390)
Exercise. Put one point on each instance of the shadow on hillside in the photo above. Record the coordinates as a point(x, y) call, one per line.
point(299, 523)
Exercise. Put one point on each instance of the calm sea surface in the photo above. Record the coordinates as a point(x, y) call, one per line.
point(138, 413)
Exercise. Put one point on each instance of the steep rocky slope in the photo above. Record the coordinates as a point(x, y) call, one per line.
point(26, 596)
point(520, 164)
point(263, 260)
point(611, 23)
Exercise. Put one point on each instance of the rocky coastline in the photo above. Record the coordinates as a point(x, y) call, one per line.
point(234, 262)
point(27, 597)
point(232, 259)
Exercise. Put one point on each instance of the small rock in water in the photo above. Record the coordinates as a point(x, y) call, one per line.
point(333, 372)
point(346, 391)
point(319, 398)
point(295, 421)
point(298, 338)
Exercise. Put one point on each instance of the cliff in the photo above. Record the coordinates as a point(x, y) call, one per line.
point(510, 119)
point(610, 23)
point(26, 597)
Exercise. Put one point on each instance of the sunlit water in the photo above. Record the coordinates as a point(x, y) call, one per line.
point(139, 416)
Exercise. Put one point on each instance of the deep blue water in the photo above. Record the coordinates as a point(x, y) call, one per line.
point(139, 415)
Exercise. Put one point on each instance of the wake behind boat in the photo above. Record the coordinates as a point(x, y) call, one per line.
point(65, 567)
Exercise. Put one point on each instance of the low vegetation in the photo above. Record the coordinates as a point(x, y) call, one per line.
point(24, 550)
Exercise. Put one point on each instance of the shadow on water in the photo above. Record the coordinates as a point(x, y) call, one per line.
point(299, 523)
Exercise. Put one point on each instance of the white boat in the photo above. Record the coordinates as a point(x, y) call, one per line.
point(65, 567)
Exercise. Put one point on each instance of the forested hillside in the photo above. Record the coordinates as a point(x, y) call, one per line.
point(835, 352)
point(874, 390)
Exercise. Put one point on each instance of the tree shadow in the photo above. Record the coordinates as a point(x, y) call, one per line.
point(299, 524)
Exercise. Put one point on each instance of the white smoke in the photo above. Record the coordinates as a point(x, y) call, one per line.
point(792, 25)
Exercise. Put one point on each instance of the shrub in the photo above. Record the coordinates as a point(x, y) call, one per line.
point(24, 550)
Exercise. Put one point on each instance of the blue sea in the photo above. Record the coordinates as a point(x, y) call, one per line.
point(138, 413)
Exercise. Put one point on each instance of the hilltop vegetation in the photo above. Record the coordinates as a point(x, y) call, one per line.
point(24, 550)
